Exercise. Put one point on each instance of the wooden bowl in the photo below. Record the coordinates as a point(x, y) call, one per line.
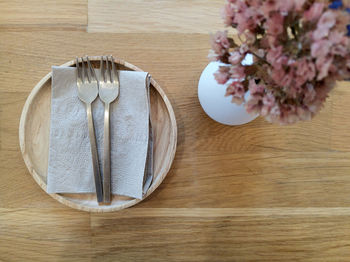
point(34, 141)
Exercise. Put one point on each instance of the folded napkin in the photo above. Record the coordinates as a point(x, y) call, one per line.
point(70, 165)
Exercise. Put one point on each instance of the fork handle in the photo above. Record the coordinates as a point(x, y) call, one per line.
point(106, 158)
point(95, 165)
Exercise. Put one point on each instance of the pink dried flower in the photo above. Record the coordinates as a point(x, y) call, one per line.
point(309, 94)
point(340, 43)
point(237, 91)
point(275, 114)
point(337, 37)
point(237, 72)
point(304, 113)
point(269, 102)
point(306, 71)
point(212, 56)
point(325, 23)
point(300, 48)
point(323, 65)
point(273, 54)
point(243, 17)
point(327, 20)
point(220, 44)
point(274, 25)
point(254, 104)
point(285, 6)
point(298, 4)
point(235, 58)
point(228, 14)
point(287, 79)
point(314, 12)
point(321, 48)
point(244, 49)
point(269, 6)
point(255, 88)
point(319, 33)
point(222, 75)
point(254, 3)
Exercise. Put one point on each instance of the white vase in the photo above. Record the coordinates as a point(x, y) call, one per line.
point(213, 101)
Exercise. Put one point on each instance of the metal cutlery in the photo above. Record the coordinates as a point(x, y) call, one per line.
point(108, 92)
point(87, 92)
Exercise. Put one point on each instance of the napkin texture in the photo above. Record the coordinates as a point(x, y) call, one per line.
point(70, 165)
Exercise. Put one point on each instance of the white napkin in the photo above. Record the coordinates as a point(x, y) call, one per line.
point(70, 165)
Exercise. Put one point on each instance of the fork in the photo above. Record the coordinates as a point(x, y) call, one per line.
point(87, 92)
point(108, 92)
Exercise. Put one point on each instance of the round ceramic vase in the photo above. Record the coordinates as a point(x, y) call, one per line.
point(213, 101)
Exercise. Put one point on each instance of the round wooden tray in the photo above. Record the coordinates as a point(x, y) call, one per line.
point(34, 140)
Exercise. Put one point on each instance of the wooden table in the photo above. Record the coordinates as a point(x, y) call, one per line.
point(257, 192)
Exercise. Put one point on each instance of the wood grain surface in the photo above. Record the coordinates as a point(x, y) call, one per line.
point(257, 192)
point(19, 15)
point(154, 16)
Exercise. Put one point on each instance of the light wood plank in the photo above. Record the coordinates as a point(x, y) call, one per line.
point(222, 213)
point(306, 179)
point(44, 235)
point(10, 102)
point(222, 235)
point(137, 16)
point(38, 15)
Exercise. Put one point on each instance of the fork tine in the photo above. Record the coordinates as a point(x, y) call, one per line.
point(102, 74)
point(114, 74)
point(87, 70)
point(92, 70)
point(108, 70)
point(105, 72)
point(82, 70)
point(78, 68)
point(111, 60)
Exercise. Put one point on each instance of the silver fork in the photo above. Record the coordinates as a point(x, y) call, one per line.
point(87, 92)
point(108, 92)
